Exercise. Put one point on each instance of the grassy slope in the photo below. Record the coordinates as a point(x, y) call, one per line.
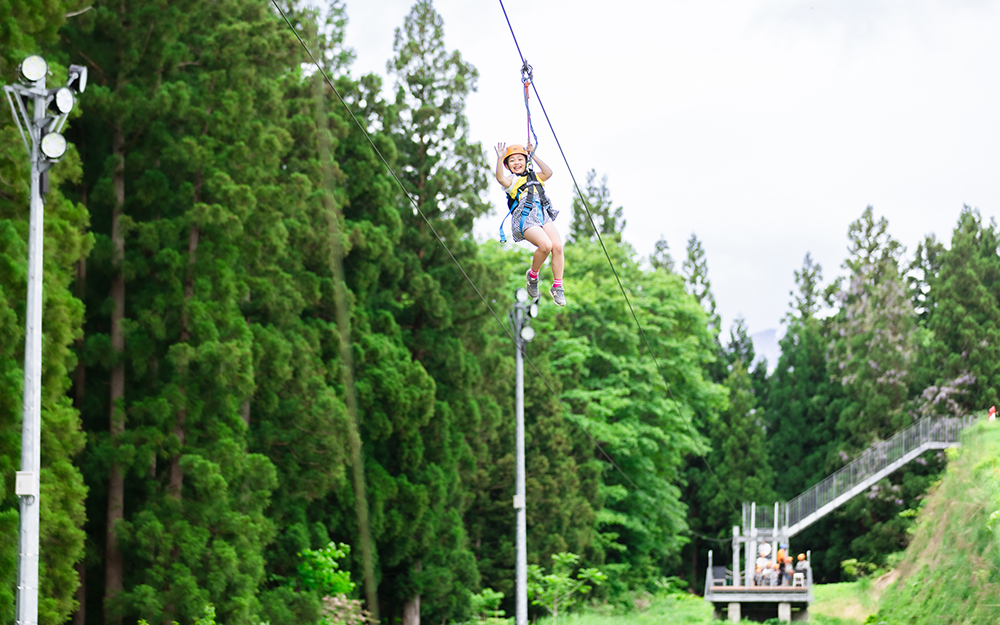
point(951, 570)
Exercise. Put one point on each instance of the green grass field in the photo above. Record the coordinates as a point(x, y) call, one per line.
point(681, 609)
point(836, 604)
point(843, 604)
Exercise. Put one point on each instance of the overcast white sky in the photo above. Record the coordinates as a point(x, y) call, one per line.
point(763, 126)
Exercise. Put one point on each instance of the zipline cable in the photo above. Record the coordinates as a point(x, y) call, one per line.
point(611, 263)
point(441, 240)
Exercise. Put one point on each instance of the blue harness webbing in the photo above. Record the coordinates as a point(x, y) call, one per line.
point(525, 211)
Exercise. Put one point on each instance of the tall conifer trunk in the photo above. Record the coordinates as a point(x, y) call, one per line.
point(80, 616)
point(411, 611)
point(176, 472)
point(116, 480)
point(694, 561)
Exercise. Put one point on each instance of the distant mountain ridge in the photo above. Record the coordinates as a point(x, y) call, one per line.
point(765, 346)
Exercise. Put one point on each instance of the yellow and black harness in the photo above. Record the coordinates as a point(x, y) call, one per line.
point(527, 193)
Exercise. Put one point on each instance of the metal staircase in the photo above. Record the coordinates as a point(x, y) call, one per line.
point(777, 523)
point(876, 463)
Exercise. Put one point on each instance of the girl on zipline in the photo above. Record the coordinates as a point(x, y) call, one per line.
point(532, 215)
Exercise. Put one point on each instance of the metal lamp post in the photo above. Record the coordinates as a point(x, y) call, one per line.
point(47, 146)
point(520, 316)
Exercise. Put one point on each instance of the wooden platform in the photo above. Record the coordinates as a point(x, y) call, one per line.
point(758, 594)
point(724, 589)
point(734, 603)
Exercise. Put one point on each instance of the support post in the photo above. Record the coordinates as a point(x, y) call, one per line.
point(27, 486)
point(775, 543)
point(29, 478)
point(752, 544)
point(519, 497)
point(520, 318)
point(785, 612)
point(736, 555)
point(710, 573)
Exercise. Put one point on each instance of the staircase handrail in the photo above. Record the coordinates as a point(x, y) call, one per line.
point(880, 459)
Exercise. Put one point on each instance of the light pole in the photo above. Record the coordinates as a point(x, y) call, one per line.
point(46, 147)
point(520, 316)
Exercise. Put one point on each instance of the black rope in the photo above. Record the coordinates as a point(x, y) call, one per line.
point(711, 538)
point(600, 239)
point(440, 239)
point(526, 78)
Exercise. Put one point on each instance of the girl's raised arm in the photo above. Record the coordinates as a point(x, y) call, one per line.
point(546, 171)
point(502, 178)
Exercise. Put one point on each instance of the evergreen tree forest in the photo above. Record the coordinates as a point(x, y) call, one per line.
point(219, 203)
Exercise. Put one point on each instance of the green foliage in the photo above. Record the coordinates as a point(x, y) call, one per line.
point(234, 457)
point(742, 470)
point(610, 220)
point(695, 269)
point(661, 258)
point(616, 392)
point(320, 570)
point(207, 619)
point(994, 521)
point(961, 362)
point(854, 569)
point(558, 590)
point(801, 409)
point(195, 166)
point(873, 344)
point(486, 605)
point(441, 168)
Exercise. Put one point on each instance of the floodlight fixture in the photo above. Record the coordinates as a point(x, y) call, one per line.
point(77, 78)
point(53, 145)
point(533, 310)
point(34, 68)
point(521, 295)
point(63, 100)
point(47, 145)
point(527, 334)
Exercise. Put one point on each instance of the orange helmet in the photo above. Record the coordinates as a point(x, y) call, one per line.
point(802, 556)
point(514, 149)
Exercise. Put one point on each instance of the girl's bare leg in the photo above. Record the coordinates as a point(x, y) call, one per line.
point(557, 250)
point(539, 236)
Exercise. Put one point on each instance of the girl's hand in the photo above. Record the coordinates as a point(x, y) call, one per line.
point(501, 148)
point(529, 148)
